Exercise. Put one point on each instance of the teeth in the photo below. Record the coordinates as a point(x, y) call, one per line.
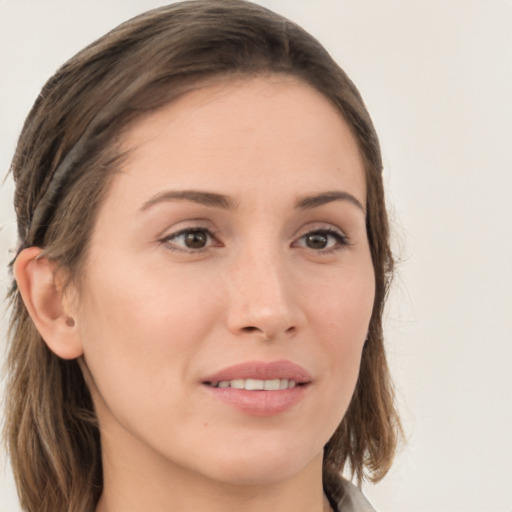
point(256, 384)
point(253, 384)
point(237, 384)
point(271, 385)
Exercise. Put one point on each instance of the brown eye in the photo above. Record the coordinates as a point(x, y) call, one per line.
point(317, 240)
point(195, 239)
point(322, 240)
point(190, 240)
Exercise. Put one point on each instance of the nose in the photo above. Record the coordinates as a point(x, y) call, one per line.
point(263, 299)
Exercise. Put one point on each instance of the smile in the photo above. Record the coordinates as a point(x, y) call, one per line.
point(255, 384)
point(260, 388)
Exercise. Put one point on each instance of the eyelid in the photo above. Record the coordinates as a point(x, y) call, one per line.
point(335, 232)
point(167, 238)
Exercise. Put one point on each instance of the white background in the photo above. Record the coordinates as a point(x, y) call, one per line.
point(437, 78)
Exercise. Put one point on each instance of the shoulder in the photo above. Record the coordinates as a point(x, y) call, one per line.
point(345, 496)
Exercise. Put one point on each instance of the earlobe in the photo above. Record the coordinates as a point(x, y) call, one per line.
point(46, 303)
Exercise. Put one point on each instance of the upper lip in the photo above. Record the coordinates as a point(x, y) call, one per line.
point(282, 369)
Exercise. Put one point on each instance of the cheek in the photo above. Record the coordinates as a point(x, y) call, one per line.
point(343, 304)
point(342, 311)
point(146, 307)
point(141, 333)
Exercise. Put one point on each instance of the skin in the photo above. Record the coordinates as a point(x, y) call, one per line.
point(155, 316)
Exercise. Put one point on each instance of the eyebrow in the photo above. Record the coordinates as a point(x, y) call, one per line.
point(221, 201)
point(316, 200)
point(195, 196)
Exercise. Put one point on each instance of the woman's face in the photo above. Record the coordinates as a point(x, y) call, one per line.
point(229, 254)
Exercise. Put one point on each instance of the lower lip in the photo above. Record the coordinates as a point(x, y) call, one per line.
point(260, 403)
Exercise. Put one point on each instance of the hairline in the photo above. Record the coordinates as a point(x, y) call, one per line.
point(116, 150)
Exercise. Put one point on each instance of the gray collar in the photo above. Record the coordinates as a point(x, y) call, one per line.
point(343, 495)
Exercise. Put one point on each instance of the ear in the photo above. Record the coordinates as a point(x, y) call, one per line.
point(48, 306)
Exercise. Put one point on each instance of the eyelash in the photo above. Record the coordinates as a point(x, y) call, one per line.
point(167, 241)
point(341, 240)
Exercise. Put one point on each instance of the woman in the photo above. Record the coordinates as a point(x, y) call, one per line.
point(201, 275)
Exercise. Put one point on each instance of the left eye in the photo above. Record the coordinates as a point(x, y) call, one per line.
point(189, 239)
point(321, 240)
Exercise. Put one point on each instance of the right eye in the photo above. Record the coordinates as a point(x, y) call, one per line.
point(323, 241)
point(189, 240)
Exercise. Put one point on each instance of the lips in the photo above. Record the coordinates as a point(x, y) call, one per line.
point(261, 371)
point(258, 388)
point(256, 384)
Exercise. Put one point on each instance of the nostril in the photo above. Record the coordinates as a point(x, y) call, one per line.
point(250, 328)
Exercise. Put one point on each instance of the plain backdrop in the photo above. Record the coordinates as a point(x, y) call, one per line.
point(437, 78)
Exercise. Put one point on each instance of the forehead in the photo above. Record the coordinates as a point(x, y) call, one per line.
point(274, 130)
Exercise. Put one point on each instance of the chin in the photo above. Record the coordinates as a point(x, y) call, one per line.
point(264, 466)
point(257, 475)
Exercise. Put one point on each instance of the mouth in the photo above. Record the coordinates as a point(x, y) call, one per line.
point(258, 388)
point(256, 384)
point(260, 376)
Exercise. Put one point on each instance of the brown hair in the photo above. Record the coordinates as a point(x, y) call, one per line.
point(65, 157)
